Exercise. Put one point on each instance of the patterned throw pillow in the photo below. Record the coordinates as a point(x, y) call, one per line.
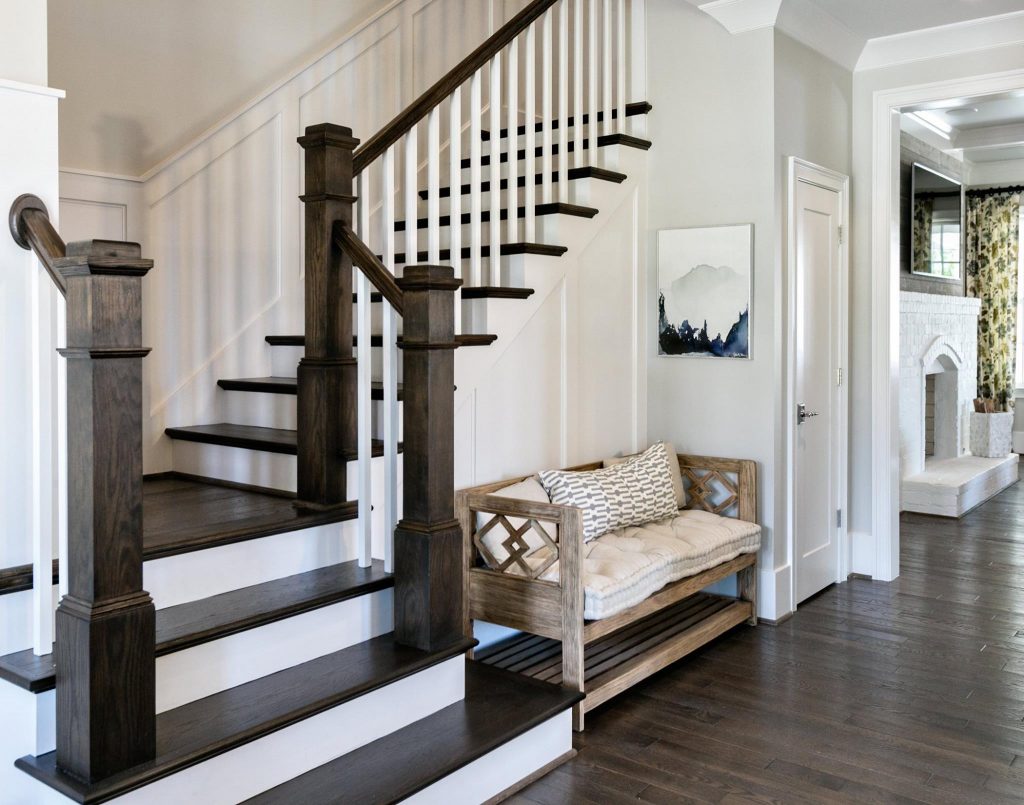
point(636, 492)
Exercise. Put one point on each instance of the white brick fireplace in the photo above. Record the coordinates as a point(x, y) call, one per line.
point(938, 384)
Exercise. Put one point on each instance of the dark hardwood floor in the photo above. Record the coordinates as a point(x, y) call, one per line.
point(904, 692)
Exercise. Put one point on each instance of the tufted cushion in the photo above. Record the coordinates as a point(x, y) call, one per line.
point(637, 491)
point(677, 476)
point(628, 565)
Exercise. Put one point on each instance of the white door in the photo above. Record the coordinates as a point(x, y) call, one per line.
point(818, 416)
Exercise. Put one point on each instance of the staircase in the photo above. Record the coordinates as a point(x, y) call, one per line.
point(280, 619)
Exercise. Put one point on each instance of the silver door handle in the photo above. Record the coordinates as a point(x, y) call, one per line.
point(803, 414)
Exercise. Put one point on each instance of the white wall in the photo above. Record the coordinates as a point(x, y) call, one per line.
point(812, 121)
point(957, 66)
point(23, 41)
point(713, 164)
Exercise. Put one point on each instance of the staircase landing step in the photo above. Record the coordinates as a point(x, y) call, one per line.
point(253, 437)
point(498, 708)
point(209, 727)
point(197, 622)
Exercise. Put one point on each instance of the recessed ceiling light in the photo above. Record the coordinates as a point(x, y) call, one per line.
point(963, 110)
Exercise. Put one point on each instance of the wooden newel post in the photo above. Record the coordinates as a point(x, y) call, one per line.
point(327, 372)
point(106, 703)
point(428, 540)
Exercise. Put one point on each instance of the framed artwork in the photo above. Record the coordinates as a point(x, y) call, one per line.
point(705, 278)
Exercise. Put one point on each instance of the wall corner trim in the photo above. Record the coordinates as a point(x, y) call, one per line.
point(31, 89)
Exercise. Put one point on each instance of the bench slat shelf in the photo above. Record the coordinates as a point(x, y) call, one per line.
point(628, 656)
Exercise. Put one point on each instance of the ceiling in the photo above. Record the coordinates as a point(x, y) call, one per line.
point(145, 77)
point(987, 129)
point(874, 18)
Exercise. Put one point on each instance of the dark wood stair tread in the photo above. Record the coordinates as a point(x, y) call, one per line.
point(498, 708)
point(583, 172)
point(495, 292)
point(632, 109)
point(506, 250)
point(604, 140)
point(253, 437)
point(197, 622)
point(281, 385)
point(224, 721)
point(470, 340)
point(551, 208)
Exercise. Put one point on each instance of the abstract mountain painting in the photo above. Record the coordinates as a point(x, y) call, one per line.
point(704, 291)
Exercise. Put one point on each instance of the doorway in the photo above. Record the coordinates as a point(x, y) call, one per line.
point(816, 430)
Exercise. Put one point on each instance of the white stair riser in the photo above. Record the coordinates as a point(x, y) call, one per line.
point(502, 768)
point(194, 673)
point(284, 361)
point(269, 761)
point(551, 230)
point(266, 410)
point(191, 576)
point(29, 728)
point(580, 191)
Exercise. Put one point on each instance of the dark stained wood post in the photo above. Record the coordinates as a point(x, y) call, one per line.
point(106, 702)
point(428, 540)
point(327, 372)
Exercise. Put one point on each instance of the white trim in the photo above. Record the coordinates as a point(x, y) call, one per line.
point(740, 16)
point(810, 24)
point(885, 365)
point(799, 170)
point(31, 89)
point(943, 40)
point(119, 177)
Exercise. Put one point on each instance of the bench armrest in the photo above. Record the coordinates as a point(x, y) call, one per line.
point(725, 486)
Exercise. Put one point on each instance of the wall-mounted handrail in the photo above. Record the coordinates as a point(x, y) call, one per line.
point(455, 78)
point(367, 262)
point(32, 230)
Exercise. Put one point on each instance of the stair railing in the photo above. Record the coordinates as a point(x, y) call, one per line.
point(582, 72)
point(106, 702)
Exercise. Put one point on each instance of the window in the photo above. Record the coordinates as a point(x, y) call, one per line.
point(945, 256)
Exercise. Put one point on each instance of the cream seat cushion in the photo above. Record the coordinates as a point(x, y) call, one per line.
point(628, 565)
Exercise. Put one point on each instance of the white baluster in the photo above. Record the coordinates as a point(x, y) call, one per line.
point(592, 70)
point(577, 83)
point(530, 121)
point(475, 178)
point(455, 196)
point(563, 101)
point(607, 63)
point(546, 91)
point(43, 465)
point(409, 194)
point(364, 379)
point(512, 144)
point(494, 234)
point(620, 64)
point(434, 186)
point(390, 370)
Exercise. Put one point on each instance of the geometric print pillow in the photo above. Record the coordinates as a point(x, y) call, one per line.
point(633, 493)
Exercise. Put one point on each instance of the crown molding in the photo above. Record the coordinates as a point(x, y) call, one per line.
point(740, 16)
point(989, 136)
point(814, 27)
point(943, 40)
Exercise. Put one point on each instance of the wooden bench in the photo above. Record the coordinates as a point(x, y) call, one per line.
point(600, 657)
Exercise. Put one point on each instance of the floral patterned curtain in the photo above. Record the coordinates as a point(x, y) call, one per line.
point(993, 221)
point(924, 211)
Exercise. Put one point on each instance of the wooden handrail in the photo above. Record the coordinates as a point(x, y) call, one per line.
point(462, 72)
point(32, 230)
point(364, 258)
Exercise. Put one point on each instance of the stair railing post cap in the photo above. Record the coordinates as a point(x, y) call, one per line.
point(429, 277)
point(327, 134)
point(26, 201)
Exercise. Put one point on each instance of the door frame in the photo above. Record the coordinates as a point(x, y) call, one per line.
point(884, 565)
point(800, 170)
